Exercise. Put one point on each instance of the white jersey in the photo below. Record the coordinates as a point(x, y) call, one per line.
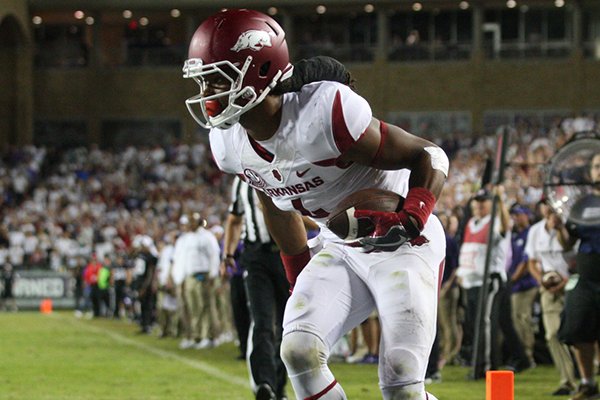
point(298, 166)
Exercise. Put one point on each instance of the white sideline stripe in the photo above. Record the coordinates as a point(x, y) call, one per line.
point(199, 365)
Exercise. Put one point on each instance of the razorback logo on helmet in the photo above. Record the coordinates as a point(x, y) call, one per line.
point(254, 40)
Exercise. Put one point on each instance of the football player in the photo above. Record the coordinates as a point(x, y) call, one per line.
point(304, 152)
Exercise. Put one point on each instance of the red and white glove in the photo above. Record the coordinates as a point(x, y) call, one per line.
point(293, 265)
point(393, 229)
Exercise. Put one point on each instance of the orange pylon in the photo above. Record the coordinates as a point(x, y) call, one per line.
point(46, 306)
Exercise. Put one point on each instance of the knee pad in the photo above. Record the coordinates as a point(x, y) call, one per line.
point(403, 366)
point(303, 351)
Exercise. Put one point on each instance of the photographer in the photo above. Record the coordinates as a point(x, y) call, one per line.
point(580, 321)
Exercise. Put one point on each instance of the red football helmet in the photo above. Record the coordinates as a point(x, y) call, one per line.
point(246, 48)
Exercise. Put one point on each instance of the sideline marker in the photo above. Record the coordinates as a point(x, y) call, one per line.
point(46, 306)
point(499, 385)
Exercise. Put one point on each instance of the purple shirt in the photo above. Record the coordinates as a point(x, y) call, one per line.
point(526, 282)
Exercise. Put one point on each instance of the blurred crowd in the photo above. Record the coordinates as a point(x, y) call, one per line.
point(113, 220)
point(60, 207)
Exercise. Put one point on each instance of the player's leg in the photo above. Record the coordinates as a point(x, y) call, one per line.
point(328, 300)
point(405, 287)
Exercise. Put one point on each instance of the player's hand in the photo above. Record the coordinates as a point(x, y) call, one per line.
point(391, 231)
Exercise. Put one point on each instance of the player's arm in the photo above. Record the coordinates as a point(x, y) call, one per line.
point(389, 147)
point(287, 229)
point(386, 146)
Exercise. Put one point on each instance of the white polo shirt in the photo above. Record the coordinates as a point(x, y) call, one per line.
point(195, 252)
point(544, 247)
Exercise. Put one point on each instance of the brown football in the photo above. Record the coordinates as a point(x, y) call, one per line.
point(342, 221)
point(551, 279)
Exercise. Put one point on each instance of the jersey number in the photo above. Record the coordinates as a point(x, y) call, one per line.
point(320, 213)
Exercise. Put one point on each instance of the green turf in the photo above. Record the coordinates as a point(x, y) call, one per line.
point(60, 357)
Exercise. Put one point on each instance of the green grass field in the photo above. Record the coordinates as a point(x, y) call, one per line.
point(57, 356)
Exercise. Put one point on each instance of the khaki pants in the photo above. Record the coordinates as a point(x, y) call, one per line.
point(183, 314)
point(223, 307)
point(552, 306)
point(202, 306)
point(167, 319)
point(211, 323)
point(195, 304)
point(522, 304)
point(451, 334)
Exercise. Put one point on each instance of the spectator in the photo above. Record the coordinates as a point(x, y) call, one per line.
point(198, 251)
point(79, 293)
point(145, 254)
point(167, 301)
point(450, 329)
point(546, 255)
point(121, 281)
point(90, 277)
point(9, 276)
point(470, 272)
point(523, 285)
point(104, 286)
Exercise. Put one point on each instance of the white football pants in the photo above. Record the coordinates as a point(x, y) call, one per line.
point(338, 290)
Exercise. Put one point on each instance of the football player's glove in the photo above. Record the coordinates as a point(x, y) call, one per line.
point(392, 230)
